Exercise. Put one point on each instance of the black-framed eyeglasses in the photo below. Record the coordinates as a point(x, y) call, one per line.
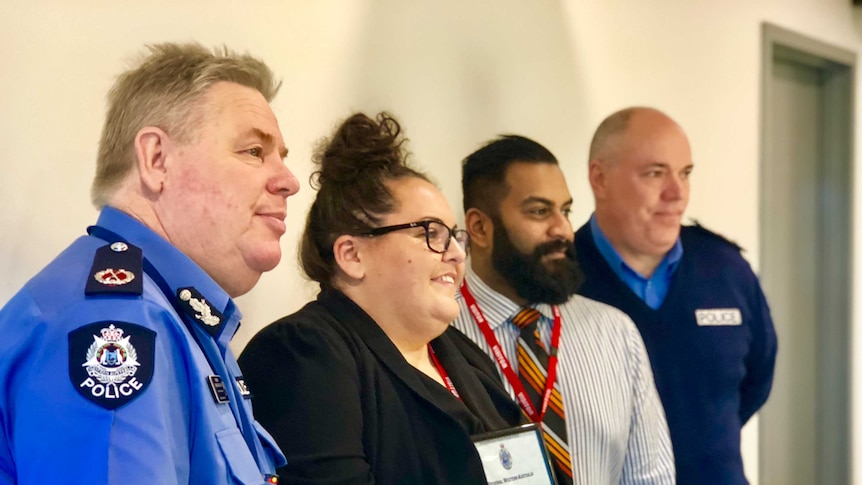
point(437, 235)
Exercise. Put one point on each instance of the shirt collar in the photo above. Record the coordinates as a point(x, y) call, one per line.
point(607, 250)
point(674, 255)
point(178, 270)
point(496, 307)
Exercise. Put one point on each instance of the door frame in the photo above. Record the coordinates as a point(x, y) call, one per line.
point(834, 300)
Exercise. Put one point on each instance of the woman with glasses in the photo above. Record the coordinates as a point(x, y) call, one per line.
point(369, 383)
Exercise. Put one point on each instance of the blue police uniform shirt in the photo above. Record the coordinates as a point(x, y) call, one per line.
point(115, 387)
point(652, 290)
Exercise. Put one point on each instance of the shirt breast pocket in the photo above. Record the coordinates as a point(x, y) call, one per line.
point(241, 465)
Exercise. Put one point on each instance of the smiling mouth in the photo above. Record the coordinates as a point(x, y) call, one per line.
point(447, 279)
point(554, 255)
point(668, 216)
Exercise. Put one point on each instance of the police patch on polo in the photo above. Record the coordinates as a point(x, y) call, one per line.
point(111, 363)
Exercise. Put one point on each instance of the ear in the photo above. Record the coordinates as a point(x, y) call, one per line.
point(152, 146)
point(347, 256)
point(480, 227)
point(597, 174)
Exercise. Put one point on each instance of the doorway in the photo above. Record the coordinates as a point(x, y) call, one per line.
point(806, 256)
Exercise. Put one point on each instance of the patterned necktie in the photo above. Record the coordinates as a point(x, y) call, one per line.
point(533, 371)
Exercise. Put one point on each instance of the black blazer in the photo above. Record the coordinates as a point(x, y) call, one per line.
point(346, 408)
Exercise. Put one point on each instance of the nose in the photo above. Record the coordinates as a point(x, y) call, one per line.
point(283, 182)
point(675, 188)
point(561, 227)
point(455, 253)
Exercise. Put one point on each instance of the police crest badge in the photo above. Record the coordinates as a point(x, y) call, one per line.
point(505, 457)
point(111, 363)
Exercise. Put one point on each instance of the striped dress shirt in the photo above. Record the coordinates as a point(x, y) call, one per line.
point(616, 425)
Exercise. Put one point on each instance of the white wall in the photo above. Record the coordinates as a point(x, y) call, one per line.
point(456, 72)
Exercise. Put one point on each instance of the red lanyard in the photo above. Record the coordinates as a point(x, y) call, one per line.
point(443, 373)
point(503, 362)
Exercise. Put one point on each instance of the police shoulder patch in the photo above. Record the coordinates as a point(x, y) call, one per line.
point(111, 362)
point(699, 229)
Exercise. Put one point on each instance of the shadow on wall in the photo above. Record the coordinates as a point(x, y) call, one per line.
point(459, 73)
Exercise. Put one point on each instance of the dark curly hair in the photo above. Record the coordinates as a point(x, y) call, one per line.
point(356, 163)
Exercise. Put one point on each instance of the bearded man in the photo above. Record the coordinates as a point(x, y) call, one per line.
point(575, 365)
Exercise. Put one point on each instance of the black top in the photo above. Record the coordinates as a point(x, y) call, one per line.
point(346, 407)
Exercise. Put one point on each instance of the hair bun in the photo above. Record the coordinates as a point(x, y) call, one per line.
point(361, 148)
point(356, 165)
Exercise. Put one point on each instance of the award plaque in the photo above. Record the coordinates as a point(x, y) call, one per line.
point(515, 455)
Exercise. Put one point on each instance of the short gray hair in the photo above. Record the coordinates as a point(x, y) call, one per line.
point(164, 90)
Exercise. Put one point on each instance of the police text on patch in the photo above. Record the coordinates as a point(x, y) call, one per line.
point(717, 317)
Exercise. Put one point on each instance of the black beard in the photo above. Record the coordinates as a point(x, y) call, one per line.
point(537, 282)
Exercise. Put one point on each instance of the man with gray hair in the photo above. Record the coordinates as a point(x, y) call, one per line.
point(699, 307)
point(115, 362)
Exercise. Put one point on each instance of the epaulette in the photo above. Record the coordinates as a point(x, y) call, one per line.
point(699, 229)
point(117, 270)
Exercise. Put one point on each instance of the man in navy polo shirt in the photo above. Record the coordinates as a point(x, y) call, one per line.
point(695, 300)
